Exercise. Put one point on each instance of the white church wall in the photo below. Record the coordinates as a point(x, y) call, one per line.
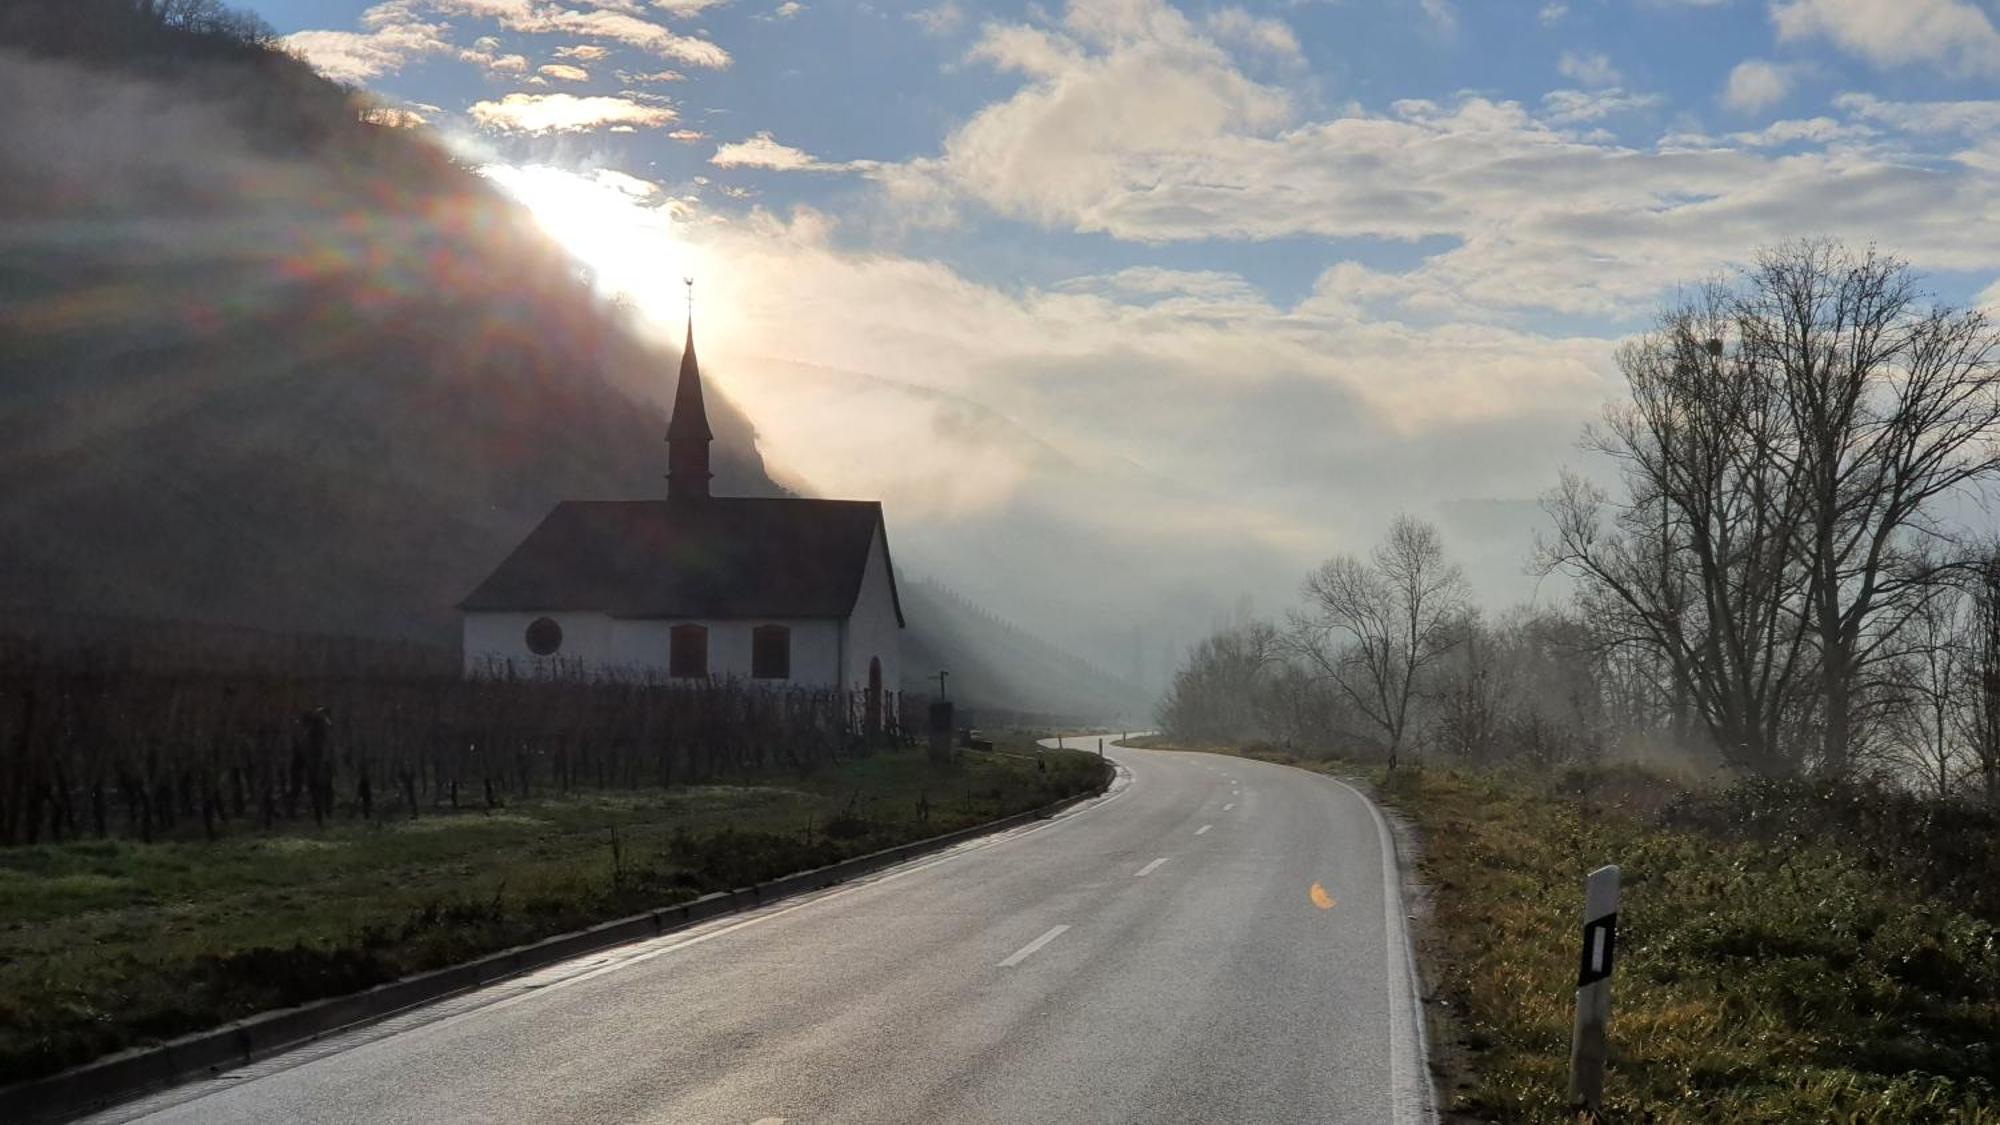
point(872, 629)
point(595, 642)
point(503, 637)
point(815, 647)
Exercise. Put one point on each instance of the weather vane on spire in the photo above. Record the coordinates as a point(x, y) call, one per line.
point(689, 282)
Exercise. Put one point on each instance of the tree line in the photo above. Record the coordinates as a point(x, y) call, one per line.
point(1773, 562)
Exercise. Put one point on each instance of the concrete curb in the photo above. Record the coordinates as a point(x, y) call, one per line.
point(123, 1076)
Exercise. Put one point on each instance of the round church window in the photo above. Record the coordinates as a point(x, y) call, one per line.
point(544, 636)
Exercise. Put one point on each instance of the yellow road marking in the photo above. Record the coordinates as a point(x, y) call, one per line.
point(1320, 898)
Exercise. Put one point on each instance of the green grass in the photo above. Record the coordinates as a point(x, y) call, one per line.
point(1797, 983)
point(113, 943)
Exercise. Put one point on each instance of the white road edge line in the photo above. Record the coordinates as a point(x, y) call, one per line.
point(1149, 868)
point(1409, 1085)
point(612, 961)
point(1203, 829)
point(1229, 806)
point(1028, 950)
point(672, 943)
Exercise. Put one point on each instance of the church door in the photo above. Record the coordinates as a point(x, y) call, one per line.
point(874, 695)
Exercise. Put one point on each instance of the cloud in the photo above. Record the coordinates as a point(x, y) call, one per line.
point(637, 78)
point(1590, 68)
point(1954, 34)
point(1811, 130)
point(619, 26)
point(1129, 121)
point(394, 36)
point(1270, 36)
point(1552, 13)
point(393, 117)
point(1756, 84)
point(787, 10)
point(565, 113)
point(1443, 16)
point(583, 52)
point(397, 31)
point(1570, 107)
point(1971, 118)
point(761, 151)
point(564, 72)
point(940, 19)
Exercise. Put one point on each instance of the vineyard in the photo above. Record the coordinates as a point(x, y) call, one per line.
point(97, 748)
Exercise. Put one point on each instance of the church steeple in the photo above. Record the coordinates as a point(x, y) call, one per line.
point(688, 434)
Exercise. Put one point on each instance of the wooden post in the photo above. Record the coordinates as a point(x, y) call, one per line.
point(1588, 1047)
point(940, 731)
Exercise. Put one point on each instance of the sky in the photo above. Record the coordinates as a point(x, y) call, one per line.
point(1191, 295)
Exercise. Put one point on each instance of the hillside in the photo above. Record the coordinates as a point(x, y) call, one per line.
point(270, 366)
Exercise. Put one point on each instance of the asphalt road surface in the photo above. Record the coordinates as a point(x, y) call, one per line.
point(1215, 940)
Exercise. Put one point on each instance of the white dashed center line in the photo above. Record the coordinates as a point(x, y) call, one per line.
point(1028, 950)
point(1203, 829)
point(1149, 868)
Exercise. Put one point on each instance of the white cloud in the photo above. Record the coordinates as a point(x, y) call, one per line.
point(634, 78)
point(565, 113)
point(1131, 122)
point(393, 117)
point(1954, 34)
point(1552, 13)
point(395, 35)
point(761, 151)
point(1589, 68)
point(1972, 118)
point(396, 31)
point(583, 52)
point(628, 29)
point(787, 10)
point(1270, 36)
point(940, 19)
point(1442, 15)
point(1756, 85)
point(564, 72)
point(1811, 130)
point(1570, 107)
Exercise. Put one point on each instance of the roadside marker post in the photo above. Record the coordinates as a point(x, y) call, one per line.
point(1588, 1047)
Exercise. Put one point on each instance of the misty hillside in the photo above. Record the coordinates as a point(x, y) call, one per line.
point(270, 365)
point(1008, 669)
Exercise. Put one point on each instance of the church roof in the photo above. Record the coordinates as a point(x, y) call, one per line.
point(720, 557)
point(690, 420)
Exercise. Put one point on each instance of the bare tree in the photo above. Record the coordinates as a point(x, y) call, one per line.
point(1890, 406)
point(1928, 693)
point(1787, 444)
point(1981, 715)
point(1694, 561)
point(1373, 628)
point(1216, 693)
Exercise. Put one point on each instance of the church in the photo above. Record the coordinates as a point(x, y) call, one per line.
point(783, 592)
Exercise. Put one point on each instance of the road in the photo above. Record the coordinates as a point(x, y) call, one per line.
point(1215, 940)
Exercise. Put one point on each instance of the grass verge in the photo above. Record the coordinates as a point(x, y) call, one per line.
point(108, 944)
point(1842, 969)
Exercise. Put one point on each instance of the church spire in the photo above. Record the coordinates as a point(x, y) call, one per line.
point(688, 434)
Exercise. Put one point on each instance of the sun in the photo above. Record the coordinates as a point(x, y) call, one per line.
point(624, 229)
